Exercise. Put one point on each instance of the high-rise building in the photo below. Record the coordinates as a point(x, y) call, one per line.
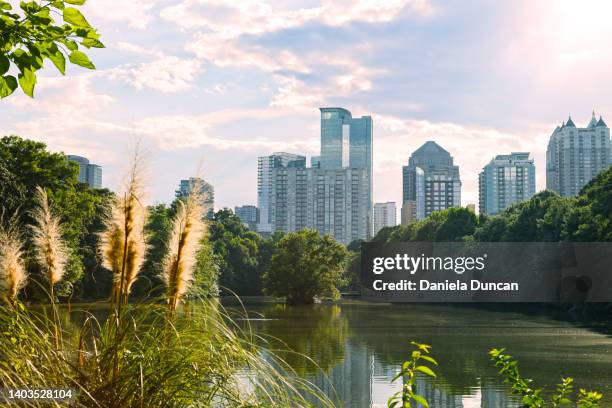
point(439, 182)
point(265, 166)
point(507, 179)
point(89, 173)
point(384, 215)
point(334, 195)
point(206, 190)
point(409, 212)
point(249, 215)
point(576, 155)
point(413, 194)
point(346, 142)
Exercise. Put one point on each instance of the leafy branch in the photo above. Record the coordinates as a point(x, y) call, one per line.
point(32, 34)
point(531, 396)
point(410, 368)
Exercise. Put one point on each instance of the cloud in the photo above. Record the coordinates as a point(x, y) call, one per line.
point(165, 74)
point(136, 13)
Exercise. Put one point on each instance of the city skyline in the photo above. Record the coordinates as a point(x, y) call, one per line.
point(222, 85)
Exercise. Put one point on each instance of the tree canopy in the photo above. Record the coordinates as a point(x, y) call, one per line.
point(306, 266)
point(31, 34)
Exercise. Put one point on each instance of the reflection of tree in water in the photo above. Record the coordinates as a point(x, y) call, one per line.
point(308, 338)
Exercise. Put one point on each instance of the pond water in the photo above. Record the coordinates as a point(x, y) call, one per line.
point(360, 346)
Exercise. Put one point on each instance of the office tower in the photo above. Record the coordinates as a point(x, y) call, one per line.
point(206, 190)
point(89, 173)
point(576, 155)
point(249, 215)
point(441, 184)
point(334, 195)
point(265, 165)
point(333, 202)
point(507, 179)
point(413, 194)
point(347, 142)
point(384, 215)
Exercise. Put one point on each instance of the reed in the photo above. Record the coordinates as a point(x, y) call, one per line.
point(123, 245)
point(13, 273)
point(49, 247)
point(188, 229)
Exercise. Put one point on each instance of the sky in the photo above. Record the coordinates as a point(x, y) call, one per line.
point(206, 86)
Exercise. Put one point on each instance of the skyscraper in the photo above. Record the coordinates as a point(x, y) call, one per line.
point(384, 215)
point(206, 189)
point(89, 173)
point(265, 166)
point(506, 180)
point(576, 155)
point(334, 195)
point(249, 215)
point(441, 184)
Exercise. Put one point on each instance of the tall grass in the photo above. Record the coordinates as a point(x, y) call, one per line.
point(188, 228)
point(49, 247)
point(139, 355)
point(13, 273)
point(123, 243)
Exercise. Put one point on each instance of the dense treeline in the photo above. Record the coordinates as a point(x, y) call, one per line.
point(233, 259)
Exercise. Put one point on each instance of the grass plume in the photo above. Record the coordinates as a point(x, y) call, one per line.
point(188, 229)
point(49, 247)
point(123, 241)
point(13, 273)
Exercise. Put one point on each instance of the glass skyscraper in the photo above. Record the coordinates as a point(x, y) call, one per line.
point(575, 155)
point(506, 180)
point(89, 173)
point(431, 180)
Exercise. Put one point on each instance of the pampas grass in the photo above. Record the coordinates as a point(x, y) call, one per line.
point(49, 247)
point(13, 273)
point(188, 228)
point(123, 245)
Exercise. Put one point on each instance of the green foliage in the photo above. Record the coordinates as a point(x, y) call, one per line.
point(243, 254)
point(419, 363)
point(142, 357)
point(26, 164)
point(305, 266)
point(531, 396)
point(31, 35)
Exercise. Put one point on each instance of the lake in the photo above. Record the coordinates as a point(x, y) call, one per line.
point(359, 347)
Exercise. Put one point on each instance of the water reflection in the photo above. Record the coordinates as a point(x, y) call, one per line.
point(361, 346)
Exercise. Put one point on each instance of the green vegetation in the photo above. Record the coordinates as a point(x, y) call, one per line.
point(418, 363)
point(531, 397)
point(140, 355)
point(305, 266)
point(31, 35)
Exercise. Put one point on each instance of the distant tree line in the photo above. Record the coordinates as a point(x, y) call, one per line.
point(235, 260)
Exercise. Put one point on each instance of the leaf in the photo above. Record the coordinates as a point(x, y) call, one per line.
point(5, 6)
point(79, 58)
point(421, 400)
point(91, 42)
point(58, 59)
point(8, 84)
point(76, 2)
point(430, 359)
point(27, 80)
point(74, 16)
point(426, 370)
point(5, 64)
point(72, 45)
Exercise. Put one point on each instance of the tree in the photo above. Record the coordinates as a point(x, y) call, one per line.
point(26, 164)
point(31, 35)
point(305, 266)
point(243, 254)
